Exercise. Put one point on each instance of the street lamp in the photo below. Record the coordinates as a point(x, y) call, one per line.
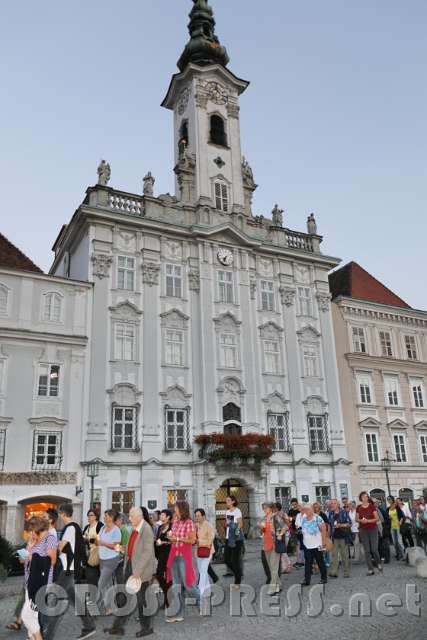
point(386, 465)
point(92, 472)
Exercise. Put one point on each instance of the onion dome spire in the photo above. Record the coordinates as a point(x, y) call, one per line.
point(203, 47)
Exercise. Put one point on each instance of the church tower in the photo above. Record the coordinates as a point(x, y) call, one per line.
point(204, 97)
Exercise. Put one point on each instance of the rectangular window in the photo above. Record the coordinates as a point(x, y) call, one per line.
point(365, 390)
point(423, 445)
point(225, 285)
point(125, 342)
point(391, 384)
point(221, 196)
point(126, 273)
point(386, 345)
point(323, 494)
point(123, 501)
point(267, 295)
point(317, 434)
point(176, 495)
point(305, 302)
point(311, 362)
point(278, 427)
point(411, 347)
point(4, 297)
point(417, 394)
point(52, 307)
point(173, 281)
point(400, 447)
point(175, 348)
point(228, 350)
point(47, 450)
point(359, 342)
point(124, 428)
point(177, 430)
point(271, 355)
point(2, 375)
point(48, 381)
point(2, 447)
point(283, 495)
point(372, 447)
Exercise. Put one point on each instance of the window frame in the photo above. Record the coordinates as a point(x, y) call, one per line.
point(225, 348)
point(186, 444)
point(402, 440)
point(119, 353)
point(313, 359)
point(3, 437)
point(386, 346)
point(174, 283)
point(50, 300)
point(320, 496)
point(392, 394)
point(225, 286)
point(267, 296)
point(124, 421)
point(372, 434)
point(315, 428)
point(282, 444)
point(270, 354)
point(411, 350)
point(358, 340)
point(221, 195)
point(49, 377)
point(126, 270)
point(418, 399)
point(305, 303)
point(43, 466)
point(4, 312)
point(423, 446)
point(170, 346)
point(362, 379)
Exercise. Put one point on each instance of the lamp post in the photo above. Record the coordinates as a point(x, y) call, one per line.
point(386, 465)
point(92, 472)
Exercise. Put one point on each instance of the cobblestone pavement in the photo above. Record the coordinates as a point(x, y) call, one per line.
point(338, 592)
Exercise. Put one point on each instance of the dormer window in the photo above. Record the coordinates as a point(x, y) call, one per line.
point(218, 135)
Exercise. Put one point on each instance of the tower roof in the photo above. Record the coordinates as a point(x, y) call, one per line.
point(203, 47)
point(353, 281)
point(12, 258)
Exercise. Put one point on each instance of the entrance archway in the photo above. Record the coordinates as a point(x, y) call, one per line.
point(39, 504)
point(407, 495)
point(379, 494)
point(238, 490)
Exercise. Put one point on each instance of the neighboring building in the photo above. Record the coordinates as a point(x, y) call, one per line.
point(206, 318)
point(43, 338)
point(381, 346)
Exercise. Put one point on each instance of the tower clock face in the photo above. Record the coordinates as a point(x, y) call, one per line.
point(216, 93)
point(225, 256)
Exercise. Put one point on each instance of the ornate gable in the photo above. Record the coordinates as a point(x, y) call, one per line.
point(174, 318)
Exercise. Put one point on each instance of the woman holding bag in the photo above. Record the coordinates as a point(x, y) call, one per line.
point(273, 529)
point(205, 533)
point(90, 533)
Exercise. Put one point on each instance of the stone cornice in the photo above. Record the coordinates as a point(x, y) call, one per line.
point(400, 315)
point(41, 336)
point(387, 364)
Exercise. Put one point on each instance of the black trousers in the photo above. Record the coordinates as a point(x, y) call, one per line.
point(212, 574)
point(66, 581)
point(233, 557)
point(407, 538)
point(310, 555)
point(145, 621)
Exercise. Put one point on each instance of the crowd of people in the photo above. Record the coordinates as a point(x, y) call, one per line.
point(173, 548)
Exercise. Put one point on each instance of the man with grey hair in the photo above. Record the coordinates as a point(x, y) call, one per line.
point(139, 564)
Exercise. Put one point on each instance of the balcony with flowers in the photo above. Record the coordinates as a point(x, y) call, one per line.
point(250, 449)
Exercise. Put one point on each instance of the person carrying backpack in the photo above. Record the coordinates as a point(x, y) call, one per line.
point(73, 558)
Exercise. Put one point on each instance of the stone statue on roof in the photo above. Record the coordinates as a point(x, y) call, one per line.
point(277, 215)
point(104, 173)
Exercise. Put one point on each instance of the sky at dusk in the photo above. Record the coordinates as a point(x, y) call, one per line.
point(334, 120)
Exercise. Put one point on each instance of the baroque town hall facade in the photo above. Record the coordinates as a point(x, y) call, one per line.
point(205, 318)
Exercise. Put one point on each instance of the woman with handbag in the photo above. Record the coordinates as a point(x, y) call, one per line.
point(109, 549)
point(90, 533)
point(273, 529)
point(162, 546)
point(205, 533)
point(234, 540)
point(315, 540)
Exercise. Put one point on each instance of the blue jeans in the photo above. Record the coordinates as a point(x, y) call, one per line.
point(178, 579)
point(395, 534)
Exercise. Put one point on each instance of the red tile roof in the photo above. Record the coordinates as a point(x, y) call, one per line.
point(12, 258)
point(354, 282)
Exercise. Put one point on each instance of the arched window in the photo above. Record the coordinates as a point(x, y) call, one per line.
point(231, 416)
point(183, 137)
point(4, 298)
point(218, 134)
point(52, 307)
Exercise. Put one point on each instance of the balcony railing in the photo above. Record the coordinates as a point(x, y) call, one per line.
point(225, 447)
point(298, 240)
point(125, 204)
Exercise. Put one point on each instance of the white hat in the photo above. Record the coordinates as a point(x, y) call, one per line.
point(133, 585)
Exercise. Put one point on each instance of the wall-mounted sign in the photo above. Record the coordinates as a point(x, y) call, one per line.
point(152, 504)
point(305, 497)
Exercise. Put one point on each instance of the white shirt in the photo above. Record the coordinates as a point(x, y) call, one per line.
point(406, 511)
point(232, 512)
point(312, 540)
point(69, 536)
point(354, 524)
point(298, 520)
point(53, 532)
